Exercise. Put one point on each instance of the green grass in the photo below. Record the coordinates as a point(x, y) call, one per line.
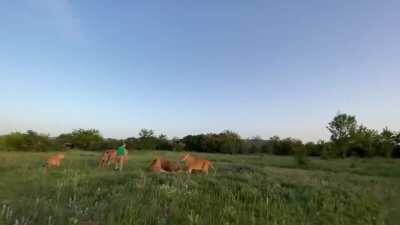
point(245, 189)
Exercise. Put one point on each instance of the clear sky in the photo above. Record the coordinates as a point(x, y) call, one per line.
point(184, 67)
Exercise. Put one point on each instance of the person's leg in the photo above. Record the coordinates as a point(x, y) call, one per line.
point(121, 163)
point(117, 161)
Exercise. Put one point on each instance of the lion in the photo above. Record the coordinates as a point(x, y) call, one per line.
point(197, 164)
point(110, 156)
point(164, 165)
point(54, 160)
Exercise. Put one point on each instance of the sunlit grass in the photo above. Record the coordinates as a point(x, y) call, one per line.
point(245, 189)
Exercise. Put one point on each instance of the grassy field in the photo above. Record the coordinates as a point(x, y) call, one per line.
point(245, 189)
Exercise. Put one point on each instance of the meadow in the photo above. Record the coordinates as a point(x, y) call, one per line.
point(243, 189)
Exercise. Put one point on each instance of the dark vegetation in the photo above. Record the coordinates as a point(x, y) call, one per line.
point(348, 138)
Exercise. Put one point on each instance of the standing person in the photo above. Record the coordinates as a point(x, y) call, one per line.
point(121, 152)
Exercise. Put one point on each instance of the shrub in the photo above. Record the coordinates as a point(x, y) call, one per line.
point(29, 141)
point(225, 142)
point(286, 146)
point(85, 139)
point(329, 151)
point(266, 148)
point(314, 149)
point(396, 151)
point(300, 156)
point(179, 146)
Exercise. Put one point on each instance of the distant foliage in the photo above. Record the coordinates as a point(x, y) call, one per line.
point(286, 146)
point(224, 142)
point(315, 149)
point(28, 141)
point(147, 140)
point(177, 145)
point(342, 127)
point(348, 138)
point(300, 155)
point(85, 139)
point(329, 151)
point(363, 142)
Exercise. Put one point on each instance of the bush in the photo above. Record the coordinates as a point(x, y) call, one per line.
point(286, 146)
point(225, 142)
point(396, 151)
point(29, 141)
point(148, 141)
point(329, 151)
point(85, 139)
point(267, 148)
point(256, 145)
point(314, 149)
point(179, 146)
point(300, 156)
point(247, 147)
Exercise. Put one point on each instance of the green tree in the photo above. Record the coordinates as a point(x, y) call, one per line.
point(386, 142)
point(328, 151)
point(363, 142)
point(396, 148)
point(147, 140)
point(86, 139)
point(342, 127)
point(28, 141)
point(230, 142)
point(146, 133)
point(315, 149)
point(256, 144)
point(178, 145)
point(274, 144)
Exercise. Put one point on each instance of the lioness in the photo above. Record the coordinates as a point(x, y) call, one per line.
point(110, 156)
point(193, 163)
point(54, 160)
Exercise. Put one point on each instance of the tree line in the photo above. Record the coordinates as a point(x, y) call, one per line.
point(348, 138)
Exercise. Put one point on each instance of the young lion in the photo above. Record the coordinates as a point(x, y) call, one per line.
point(193, 163)
point(110, 156)
point(107, 157)
point(54, 160)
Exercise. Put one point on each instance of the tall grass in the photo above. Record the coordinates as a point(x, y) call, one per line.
point(256, 189)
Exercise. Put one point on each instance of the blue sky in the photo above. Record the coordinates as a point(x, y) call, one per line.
point(185, 67)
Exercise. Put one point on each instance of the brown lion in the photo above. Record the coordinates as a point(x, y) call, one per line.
point(193, 163)
point(54, 160)
point(110, 156)
point(164, 165)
